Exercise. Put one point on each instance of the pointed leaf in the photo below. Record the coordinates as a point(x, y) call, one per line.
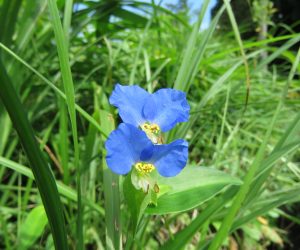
point(189, 189)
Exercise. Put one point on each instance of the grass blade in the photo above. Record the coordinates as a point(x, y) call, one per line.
point(62, 48)
point(63, 116)
point(239, 199)
point(44, 178)
point(241, 195)
point(241, 46)
point(185, 70)
point(183, 237)
point(265, 204)
point(62, 188)
point(286, 144)
point(57, 90)
point(111, 195)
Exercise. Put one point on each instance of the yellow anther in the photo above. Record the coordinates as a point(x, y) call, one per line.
point(154, 128)
point(150, 128)
point(144, 168)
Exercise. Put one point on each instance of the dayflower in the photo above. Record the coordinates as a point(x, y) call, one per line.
point(153, 113)
point(129, 147)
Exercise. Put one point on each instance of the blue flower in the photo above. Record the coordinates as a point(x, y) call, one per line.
point(128, 147)
point(157, 112)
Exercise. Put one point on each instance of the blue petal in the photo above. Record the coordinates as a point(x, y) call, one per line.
point(147, 153)
point(166, 107)
point(170, 159)
point(124, 147)
point(130, 101)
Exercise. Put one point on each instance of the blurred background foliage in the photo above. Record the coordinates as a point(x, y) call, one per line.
point(146, 43)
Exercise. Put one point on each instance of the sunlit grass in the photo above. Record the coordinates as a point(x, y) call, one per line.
point(244, 122)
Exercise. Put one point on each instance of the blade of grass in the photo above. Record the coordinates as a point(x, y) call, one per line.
point(29, 21)
point(5, 194)
point(44, 177)
point(111, 195)
point(63, 55)
point(62, 189)
point(183, 237)
point(277, 52)
point(283, 145)
point(213, 90)
point(241, 195)
point(8, 15)
point(183, 76)
point(241, 46)
point(5, 232)
point(255, 166)
point(190, 68)
point(138, 52)
point(219, 151)
point(57, 90)
point(204, 42)
point(265, 204)
point(67, 19)
point(5, 128)
point(64, 138)
point(249, 45)
point(63, 116)
point(8, 20)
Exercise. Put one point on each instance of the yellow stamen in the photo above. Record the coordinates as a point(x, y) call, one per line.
point(144, 168)
point(150, 128)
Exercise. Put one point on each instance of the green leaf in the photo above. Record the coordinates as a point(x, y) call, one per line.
point(80, 110)
point(111, 192)
point(64, 190)
point(189, 189)
point(267, 203)
point(182, 237)
point(63, 56)
point(137, 201)
point(44, 177)
point(33, 227)
point(190, 54)
point(255, 166)
point(288, 142)
point(8, 17)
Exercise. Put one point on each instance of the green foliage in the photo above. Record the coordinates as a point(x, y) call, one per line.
point(43, 175)
point(32, 228)
point(190, 189)
point(137, 201)
point(62, 60)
